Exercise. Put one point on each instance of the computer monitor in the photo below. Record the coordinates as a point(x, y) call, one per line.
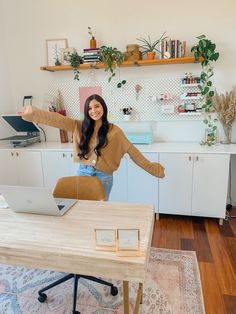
point(20, 125)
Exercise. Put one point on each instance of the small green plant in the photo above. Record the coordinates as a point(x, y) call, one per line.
point(112, 58)
point(75, 61)
point(149, 45)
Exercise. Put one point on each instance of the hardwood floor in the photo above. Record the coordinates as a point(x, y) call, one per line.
point(215, 247)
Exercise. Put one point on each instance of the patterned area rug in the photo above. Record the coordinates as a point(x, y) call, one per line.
point(172, 287)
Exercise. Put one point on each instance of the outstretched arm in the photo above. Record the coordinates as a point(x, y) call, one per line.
point(54, 119)
point(153, 168)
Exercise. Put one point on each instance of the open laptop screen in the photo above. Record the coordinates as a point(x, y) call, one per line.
point(20, 125)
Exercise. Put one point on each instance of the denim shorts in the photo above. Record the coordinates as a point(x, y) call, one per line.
point(90, 171)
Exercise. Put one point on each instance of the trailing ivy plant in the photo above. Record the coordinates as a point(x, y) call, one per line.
point(75, 61)
point(206, 50)
point(112, 58)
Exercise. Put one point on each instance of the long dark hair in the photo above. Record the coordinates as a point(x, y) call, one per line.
point(88, 128)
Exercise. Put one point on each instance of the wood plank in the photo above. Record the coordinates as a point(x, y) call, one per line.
point(225, 272)
point(213, 298)
point(230, 304)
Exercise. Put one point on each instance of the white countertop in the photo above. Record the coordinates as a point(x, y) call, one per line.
point(180, 147)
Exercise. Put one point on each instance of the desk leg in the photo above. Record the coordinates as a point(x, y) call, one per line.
point(126, 296)
point(139, 298)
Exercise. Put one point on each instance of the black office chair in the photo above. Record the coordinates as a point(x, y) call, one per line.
point(77, 188)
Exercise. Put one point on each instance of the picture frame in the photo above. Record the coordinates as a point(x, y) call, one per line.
point(105, 239)
point(53, 48)
point(128, 239)
point(65, 58)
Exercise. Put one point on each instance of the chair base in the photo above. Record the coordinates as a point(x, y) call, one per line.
point(43, 297)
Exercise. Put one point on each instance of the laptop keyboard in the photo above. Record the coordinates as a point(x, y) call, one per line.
point(60, 207)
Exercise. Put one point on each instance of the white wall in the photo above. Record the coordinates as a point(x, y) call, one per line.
point(26, 24)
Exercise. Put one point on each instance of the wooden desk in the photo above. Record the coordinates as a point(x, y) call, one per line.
point(67, 243)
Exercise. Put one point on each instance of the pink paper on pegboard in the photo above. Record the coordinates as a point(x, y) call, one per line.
point(85, 92)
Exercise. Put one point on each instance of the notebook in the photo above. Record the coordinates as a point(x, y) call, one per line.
point(35, 200)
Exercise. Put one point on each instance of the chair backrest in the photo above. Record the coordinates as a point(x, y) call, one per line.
point(81, 188)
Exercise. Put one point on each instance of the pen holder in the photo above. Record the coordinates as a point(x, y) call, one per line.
point(63, 133)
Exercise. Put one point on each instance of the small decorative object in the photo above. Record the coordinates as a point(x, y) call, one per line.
point(127, 112)
point(149, 46)
point(112, 58)
point(75, 61)
point(167, 108)
point(206, 50)
point(57, 105)
point(105, 239)
point(133, 53)
point(93, 42)
point(54, 47)
point(137, 88)
point(66, 55)
point(128, 239)
point(210, 131)
point(225, 107)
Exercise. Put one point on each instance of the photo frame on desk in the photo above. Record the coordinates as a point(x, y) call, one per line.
point(53, 47)
point(105, 239)
point(65, 55)
point(128, 239)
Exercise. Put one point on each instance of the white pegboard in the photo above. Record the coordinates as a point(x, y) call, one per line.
point(144, 108)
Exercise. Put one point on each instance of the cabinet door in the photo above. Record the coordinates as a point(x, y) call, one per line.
point(73, 166)
point(119, 188)
point(142, 186)
point(176, 188)
point(210, 183)
point(29, 168)
point(55, 165)
point(8, 172)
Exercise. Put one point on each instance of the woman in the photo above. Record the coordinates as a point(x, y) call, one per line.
point(97, 144)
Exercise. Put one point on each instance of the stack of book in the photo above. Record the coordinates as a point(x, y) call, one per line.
point(172, 48)
point(91, 55)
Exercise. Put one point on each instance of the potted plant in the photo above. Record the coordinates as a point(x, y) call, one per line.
point(112, 58)
point(205, 49)
point(149, 47)
point(75, 61)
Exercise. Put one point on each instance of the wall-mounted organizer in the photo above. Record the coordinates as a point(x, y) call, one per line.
point(154, 100)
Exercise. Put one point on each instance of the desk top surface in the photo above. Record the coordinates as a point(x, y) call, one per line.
point(67, 243)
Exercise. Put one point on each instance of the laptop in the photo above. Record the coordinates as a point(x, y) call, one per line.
point(35, 200)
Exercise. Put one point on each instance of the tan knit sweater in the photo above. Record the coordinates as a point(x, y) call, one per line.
point(111, 154)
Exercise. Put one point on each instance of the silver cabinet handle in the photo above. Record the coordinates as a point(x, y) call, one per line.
point(189, 158)
point(71, 155)
point(63, 155)
point(17, 154)
point(197, 158)
point(12, 153)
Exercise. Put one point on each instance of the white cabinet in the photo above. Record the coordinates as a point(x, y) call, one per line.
point(134, 185)
point(142, 186)
point(21, 167)
point(195, 184)
point(119, 192)
point(57, 164)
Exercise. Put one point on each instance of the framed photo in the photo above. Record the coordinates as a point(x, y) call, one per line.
point(128, 239)
point(65, 57)
point(105, 239)
point(54, 47)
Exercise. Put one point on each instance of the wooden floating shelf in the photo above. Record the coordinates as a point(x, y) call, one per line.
point(100, 65)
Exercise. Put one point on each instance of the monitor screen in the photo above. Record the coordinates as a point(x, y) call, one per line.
point(20, 125)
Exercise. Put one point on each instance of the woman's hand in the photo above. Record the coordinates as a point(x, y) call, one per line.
point(26, 110)
point(159, 170)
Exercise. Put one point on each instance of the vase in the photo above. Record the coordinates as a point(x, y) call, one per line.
point(126, 117)
point(93, 43)
point(227, 133)
point(211, 136)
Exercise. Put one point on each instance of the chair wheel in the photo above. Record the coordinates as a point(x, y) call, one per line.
point(42, 298)
point(76, 312)
point(114, 290)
